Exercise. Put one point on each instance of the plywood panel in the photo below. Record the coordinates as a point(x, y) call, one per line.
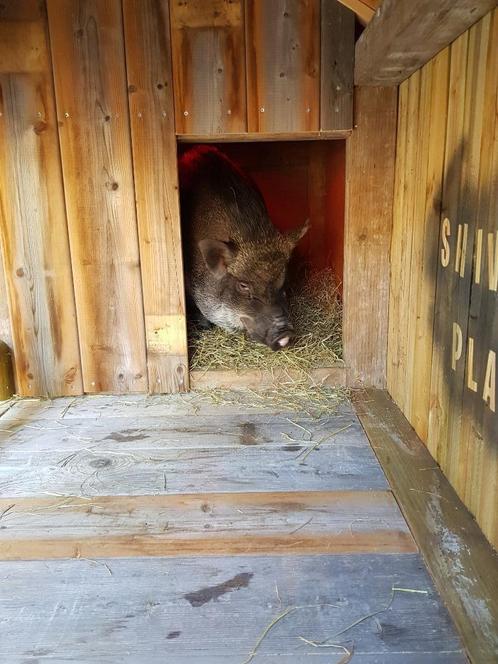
point(336, 70)
point(33, 218)
point(369, 198)
point(283, 65)
point(209, 66)
point(213, 611)
point(150, 93)
point(90, 83)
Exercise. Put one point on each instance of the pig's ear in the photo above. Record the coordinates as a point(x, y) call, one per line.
point(217, 255)
point(294, 236)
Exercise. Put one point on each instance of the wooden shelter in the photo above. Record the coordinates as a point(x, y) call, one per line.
point(376, 120)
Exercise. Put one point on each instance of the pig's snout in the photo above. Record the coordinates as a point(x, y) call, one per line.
point(280, 338)
point(275, 332)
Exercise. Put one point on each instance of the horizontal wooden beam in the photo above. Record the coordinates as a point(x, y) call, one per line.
point(364, 9)
point(248, 137)
point(258, 378)
point(404, 35)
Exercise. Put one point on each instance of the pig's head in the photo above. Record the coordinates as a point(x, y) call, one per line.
point(251, 279)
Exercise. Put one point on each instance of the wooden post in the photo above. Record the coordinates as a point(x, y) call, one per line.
point(370, 156)
point(7, 388)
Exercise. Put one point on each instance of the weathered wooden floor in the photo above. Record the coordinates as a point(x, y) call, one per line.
point(155, 529)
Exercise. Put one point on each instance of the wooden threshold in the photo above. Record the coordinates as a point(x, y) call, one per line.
point(292, 523)
point(248, 137)
point(462, 562)
point(259, 378)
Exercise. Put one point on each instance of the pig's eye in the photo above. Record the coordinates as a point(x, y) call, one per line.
point(243, 287)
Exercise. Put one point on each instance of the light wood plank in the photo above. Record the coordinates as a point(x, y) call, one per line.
point(204, 525)
point(404, 35)
point(461, 561)
point(370, 157)
point(214, 610)
point(33, 227)
point(5, 326)
point(336, 134)
point(209, 66)
point(7, 386)
point(255, 378)
point(90, 83)
point(336, 69)
point(283, 65)
point(150, 94)
point(364, 9)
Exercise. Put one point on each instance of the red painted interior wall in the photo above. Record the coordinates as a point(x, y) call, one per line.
point(300, 180)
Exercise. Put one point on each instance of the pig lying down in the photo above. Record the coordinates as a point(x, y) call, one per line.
point(235, 259)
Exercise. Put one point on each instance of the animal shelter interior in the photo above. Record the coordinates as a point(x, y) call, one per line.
point(249, 331)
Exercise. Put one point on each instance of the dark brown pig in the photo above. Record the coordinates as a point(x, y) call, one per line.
point(235, 258)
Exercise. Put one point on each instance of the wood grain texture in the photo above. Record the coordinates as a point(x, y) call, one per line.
point(150, 94)
point(209, 66)
point(7, 386)
point(370, 156)
point(423, 101)
point(33, 225)
point(404, 35)
point(477, 469)
point(336, 134)
point(255, 378)
point(90, 84)
point(283, 65)
point(336, 69)
point(462, 563)
point(5, 326)
point(453, 179)
point(204, 525)
point(364, 9)
point(214, 610)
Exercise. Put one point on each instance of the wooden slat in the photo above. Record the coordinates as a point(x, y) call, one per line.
point(33, 222)
point(204, 525)
point(336, 134)
point(336, 70)
point(5, 326)
point(209, 66)
point(255, 378)
point(477, 479)
point(283, 65)
point(452, 292)
point(102, 469)
point(7, 386)
point(214, 611)
point(90, 83)
point(370, 156)
point(428, 216)
point(461, 561)
point(404, 35)
point(156, 191)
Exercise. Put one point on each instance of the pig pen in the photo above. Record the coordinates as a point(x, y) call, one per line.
point(141, 519)
point(299, 181)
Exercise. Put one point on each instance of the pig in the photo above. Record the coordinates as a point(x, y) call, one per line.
point(235, 259)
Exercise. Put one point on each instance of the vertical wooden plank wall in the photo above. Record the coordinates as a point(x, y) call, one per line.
point(209, 66)
point(283, 65)
point(336, 77)
point(90, 84)
point(150, 90)
point(33, 218)
point(443, 323)
point(369, 200)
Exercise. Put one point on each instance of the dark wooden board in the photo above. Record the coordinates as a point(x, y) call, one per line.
point(463, 564)
point(336, 70)
point(403, 35)
point(213, 611)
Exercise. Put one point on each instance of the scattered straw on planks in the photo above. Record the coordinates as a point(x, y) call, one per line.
point(316, 313)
